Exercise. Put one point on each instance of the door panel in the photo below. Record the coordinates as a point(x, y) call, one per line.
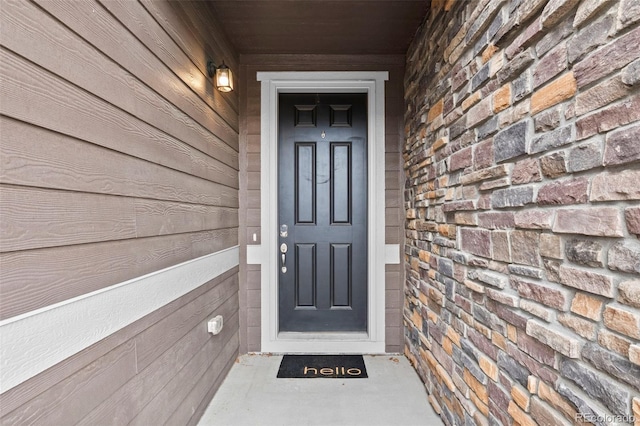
point(341, 275)
point(305, 268)
point(322, 177)
point(305, 181)
point(340, 183)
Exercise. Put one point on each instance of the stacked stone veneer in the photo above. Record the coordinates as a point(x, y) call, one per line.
point(522, 161)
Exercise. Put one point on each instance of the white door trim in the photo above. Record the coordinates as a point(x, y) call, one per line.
point(273, 83)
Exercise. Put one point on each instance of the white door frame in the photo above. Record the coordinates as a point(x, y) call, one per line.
point(266, 254)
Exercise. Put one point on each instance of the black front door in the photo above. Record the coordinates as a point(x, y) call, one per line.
point(322, 212)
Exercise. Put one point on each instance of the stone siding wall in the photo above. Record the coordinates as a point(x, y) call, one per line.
point(522, 161)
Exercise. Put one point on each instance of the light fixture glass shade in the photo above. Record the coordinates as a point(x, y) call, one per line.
point(224, 78)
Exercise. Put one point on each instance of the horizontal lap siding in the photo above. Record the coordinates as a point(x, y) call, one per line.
point(106, 384)
point(250, 177)
point(118, 159)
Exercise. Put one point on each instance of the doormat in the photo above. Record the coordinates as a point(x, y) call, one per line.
point(327, 366)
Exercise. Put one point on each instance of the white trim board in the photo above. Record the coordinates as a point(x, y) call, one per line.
point(273, 83)
point(32, 342)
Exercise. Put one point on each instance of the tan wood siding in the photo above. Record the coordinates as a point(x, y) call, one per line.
point(394, 217)
point(118, 159)
point(74, 165)
point(118, 41)
point(108, 77)
point(166, 365)
point(250, 174)
point(35, 218)
point(117, 386)
point(68, 401)
point(28, 390)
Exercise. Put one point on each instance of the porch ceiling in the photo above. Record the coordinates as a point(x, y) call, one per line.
point(320, 26)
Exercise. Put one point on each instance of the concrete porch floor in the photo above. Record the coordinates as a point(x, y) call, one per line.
point(252, 395)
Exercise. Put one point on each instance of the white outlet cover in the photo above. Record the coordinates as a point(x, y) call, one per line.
point(214, 325)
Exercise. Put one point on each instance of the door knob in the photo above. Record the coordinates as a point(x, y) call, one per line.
point(283, 258)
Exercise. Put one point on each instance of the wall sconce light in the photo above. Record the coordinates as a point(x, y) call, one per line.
point(222, 75)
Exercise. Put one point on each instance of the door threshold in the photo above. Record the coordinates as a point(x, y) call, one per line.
point(354, 336)
point(323, 343)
